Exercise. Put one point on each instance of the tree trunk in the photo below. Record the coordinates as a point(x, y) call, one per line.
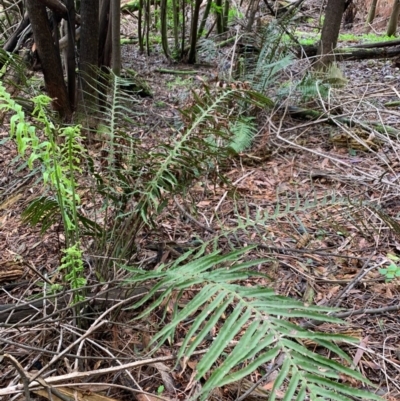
point(372, 12)
point(89, 53)
point(49, 57)
point(330, 32)
point(394, 17)
point(193, 32)
point(164, 28)
point(103, 31)
point(70, 54)
point(12, 41)
point(116, 40)
point(219, 16)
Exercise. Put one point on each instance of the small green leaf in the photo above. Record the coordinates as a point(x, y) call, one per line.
point(391, 256)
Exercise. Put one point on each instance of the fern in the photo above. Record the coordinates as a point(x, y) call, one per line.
point(255, 329)
point(243, 131)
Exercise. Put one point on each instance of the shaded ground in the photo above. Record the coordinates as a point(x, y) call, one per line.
point(328, 255)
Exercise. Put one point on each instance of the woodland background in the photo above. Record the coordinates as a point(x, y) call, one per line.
point(199, 211)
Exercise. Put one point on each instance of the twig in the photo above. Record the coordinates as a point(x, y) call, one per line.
point(362, 273)
point(259, 381)
point(192, 219)
point(342, 315)
point(373, 311)
point(24, 377)
point(176, 72)
point(76, 375)
point(233, 184)
point(303, 251)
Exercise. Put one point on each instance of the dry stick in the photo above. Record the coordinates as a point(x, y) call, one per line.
point(45, 351)
point(373, 311)
point(114, 358)
point(363, 272)
point(37, 304)
point(23, 375)
point(96, 324)
point(342, 315)
point(119, 386)
point(192, 219)
point(80, 375)
point(303, 251)
point(258, 382)
point(327, 156)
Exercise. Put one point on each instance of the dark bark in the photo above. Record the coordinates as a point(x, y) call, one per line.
point(18, 313)
point(219, 16)
point(330, 32)
point(204, 19)
point(59, 9)
point(372, 12)
point(71, 75)
point(116, 37)
point(350, 53)
point(49, 57)
point(88, 54)
point(164, 28)
point(12, 41)
point(104, 51)
point(56, 6)
point(394, 17)
point(376, 45)
point(193, 32)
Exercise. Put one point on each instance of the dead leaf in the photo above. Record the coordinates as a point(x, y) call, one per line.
point(360, 351)
point(166, 377)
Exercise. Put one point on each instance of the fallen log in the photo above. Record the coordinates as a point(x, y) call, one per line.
point(23, 313)
point(315, 115)
point(352, 53)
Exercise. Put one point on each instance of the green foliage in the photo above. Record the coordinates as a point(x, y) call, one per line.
point(145, 179)
point(310, 87)
point(44, 211)
point(215, 8)
point(243, 130)
point(233, 14)
point(393, 270)
point(309, 38)
point(307, 42)
point(72, 263)
point(372, 38)
point(179, 82)
point(17, 65)
point(260, 70)
point(253, 327)
point(58, 152)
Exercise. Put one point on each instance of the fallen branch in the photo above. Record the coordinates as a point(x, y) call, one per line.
point(16, 315)
point(342, 315)
point(352, 53)
point(176, 72)
point(309, 114)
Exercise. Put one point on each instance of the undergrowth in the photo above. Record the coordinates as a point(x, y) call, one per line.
point(253, 327)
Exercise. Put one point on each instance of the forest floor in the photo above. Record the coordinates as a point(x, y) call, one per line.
point(336, 254)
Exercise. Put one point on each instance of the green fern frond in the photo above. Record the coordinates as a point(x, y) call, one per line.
point(254, 329)
point(44, 210)
point(243, 131)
